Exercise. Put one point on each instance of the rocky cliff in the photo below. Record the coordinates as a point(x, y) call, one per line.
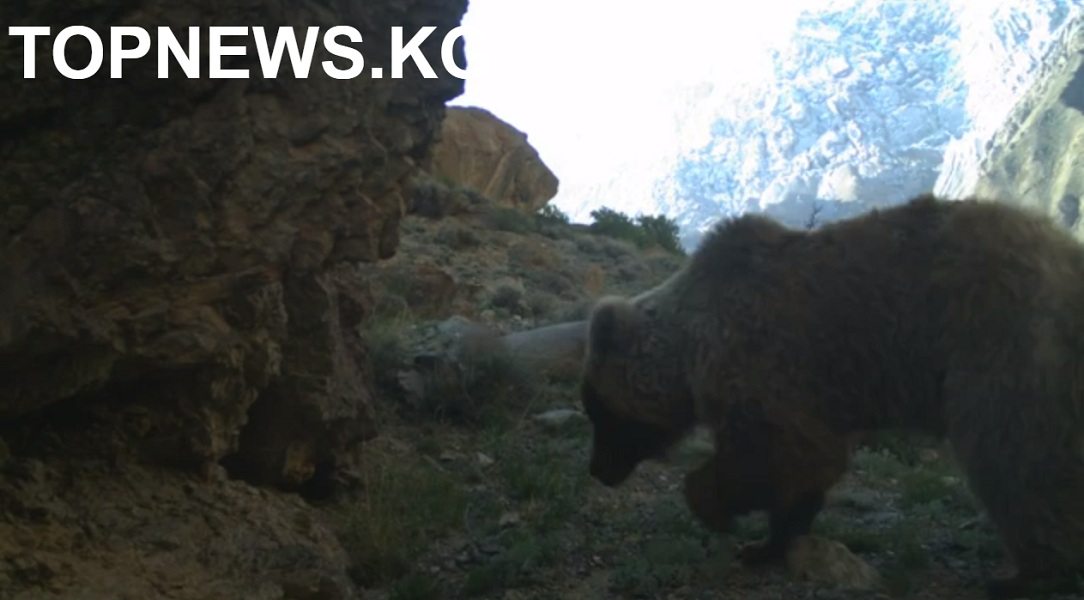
point(181, 298)
point(480, 151)
point(1034, 158)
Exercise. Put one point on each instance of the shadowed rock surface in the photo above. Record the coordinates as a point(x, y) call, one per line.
point(192, 239)
point(181, 289)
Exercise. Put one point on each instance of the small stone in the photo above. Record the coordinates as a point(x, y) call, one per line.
point(821, 560)
point(484, 460)
point(972, 523)
point(928, 455)
point(508, 519)
point(558, 416)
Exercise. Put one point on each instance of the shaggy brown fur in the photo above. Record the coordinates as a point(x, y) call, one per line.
point(760, 465)
point(959, 319)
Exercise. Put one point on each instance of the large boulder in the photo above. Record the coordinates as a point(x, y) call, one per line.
point(480, 151)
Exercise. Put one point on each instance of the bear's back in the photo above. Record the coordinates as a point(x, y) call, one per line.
point(864, 311)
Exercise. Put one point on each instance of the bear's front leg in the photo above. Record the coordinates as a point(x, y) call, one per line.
point(785, 523)
point(704, 497)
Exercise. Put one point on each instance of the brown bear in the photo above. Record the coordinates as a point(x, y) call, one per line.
point(962, 319)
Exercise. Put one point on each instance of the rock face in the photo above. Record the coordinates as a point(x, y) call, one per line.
point(478, 150)
point(186, 244)
point(1034, 159)
point(179, 258)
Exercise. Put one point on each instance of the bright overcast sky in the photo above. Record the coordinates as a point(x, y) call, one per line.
point(593, 83)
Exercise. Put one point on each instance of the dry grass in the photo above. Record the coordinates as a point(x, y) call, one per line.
point(406, 503)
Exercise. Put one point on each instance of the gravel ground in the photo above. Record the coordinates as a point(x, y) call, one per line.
point(528, 523)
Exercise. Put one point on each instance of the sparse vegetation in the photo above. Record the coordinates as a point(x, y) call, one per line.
point(506, 296)
point(643, 230)
point(457, 236)
point(555, 282)
point(542, 304)
point(420, 586)
point(551, 214)
point(483, 383)
point(662, 231)
point(384, 337)
point(406, 505)
point(503, 218)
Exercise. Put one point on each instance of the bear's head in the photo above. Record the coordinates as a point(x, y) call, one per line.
point(633, 388)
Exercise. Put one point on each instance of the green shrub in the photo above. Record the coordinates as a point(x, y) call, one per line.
point(661, 231)
point(615, 224)
point(644, 230)
point(552, 214)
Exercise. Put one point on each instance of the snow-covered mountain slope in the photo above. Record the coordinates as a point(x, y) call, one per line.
point(858, 109)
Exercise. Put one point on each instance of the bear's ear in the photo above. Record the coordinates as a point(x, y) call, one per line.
point(614, 327)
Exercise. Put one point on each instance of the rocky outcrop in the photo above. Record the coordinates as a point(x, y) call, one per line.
point(185, 245)
point(73, 529)
point(1033, 159)
point(480, 151)
point(179, 260)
